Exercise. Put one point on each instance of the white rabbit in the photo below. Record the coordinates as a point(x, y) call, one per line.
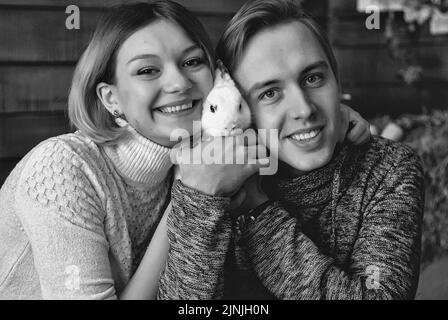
point(224, 109)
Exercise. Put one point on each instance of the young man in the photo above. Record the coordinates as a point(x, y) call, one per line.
point(344, 221)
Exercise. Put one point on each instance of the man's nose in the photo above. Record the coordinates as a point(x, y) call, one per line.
point(175, 81)
point(300, 104)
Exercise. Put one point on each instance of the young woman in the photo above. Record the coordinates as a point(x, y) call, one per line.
point(337, 222)
point(78, 212)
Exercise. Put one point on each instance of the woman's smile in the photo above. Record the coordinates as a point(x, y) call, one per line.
point(179, 108)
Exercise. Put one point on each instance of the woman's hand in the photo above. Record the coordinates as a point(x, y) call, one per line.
point(358, 129)
point(221, 175)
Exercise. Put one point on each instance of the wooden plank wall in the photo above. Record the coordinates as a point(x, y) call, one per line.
point(368, 73)
point(38, 55)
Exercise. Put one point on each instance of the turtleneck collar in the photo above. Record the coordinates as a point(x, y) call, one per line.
point(138, 159)
point(312, 188)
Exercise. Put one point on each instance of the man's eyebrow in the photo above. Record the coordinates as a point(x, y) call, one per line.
point(260, 85)
point(147, 55)
point(318, 64)
point(315, 65)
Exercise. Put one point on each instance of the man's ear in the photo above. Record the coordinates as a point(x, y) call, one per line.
point(107, 95)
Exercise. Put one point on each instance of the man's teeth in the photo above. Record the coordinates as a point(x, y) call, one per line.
point(305, 136)
point(174, 109)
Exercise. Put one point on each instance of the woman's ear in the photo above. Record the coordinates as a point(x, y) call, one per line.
point(106, 94)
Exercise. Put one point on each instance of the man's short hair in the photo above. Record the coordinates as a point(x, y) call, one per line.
point(256, 16)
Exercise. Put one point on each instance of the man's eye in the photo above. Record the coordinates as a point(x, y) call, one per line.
point(148, 71)
point(193, 62)
point(313, 80)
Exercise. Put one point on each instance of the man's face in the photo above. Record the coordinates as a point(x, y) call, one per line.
point(289, 85)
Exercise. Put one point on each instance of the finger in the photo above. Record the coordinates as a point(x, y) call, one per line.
point(364, 127)
point(355, 117)
point(237, 132)
point(361, 137)
point(364, 138)
point(263, 162)
point(355, 133)
point(255, 165)
point(248, 138)
point(256, 151)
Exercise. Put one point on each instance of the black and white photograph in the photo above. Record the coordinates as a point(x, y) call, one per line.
point(244, 151)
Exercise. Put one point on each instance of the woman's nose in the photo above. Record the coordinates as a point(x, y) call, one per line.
point(175, 81)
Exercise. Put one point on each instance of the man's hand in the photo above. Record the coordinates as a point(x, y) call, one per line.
point(357, 128)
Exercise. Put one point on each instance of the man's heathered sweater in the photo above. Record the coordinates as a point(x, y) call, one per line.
point(349, 230)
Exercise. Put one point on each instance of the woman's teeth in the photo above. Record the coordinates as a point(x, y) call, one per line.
point(305, 136)
point(174, 109)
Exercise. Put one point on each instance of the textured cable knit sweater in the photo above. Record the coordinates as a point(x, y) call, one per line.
point(349, 230)
point(76, 218)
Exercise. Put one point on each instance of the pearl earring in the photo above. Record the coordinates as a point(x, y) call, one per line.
point(117, 114)
point(120, 118)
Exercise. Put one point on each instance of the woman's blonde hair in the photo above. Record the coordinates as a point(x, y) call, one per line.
point(97, 63)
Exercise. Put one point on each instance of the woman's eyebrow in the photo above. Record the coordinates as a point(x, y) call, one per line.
point(147, 55)
point(142, 56)
point(192, 48)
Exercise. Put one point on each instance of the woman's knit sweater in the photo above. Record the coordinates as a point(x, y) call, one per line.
point(76, 218)
point(349, 230)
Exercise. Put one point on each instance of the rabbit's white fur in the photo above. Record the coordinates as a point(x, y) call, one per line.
point(230, 109)
point(224, 108)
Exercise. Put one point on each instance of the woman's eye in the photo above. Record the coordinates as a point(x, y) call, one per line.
point(313, 80)
point(148, 71)
point(193, 62)
point(269, 95)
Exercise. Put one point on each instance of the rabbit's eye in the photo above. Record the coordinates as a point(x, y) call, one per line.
point(213, 108)
point(240, 107)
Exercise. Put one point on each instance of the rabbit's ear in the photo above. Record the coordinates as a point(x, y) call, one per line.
point(219, 80)
point(221, 66)
point(223, 71)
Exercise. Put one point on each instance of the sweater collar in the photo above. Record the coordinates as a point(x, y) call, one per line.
point(139, 159)
point(315, 187)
